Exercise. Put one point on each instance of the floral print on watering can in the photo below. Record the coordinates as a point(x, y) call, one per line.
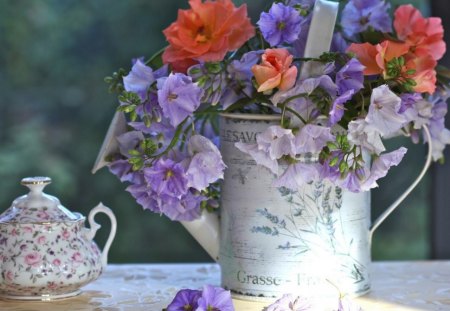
point(314, 241)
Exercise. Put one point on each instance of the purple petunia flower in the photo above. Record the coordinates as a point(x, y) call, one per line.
point(350, 77)
point(280, 25)
point(185, 300)
point(359, 15)
point(290, 302)
point(139, 79)
point(215, 298)
point(206, 165)
point(383, 112)
point(178, 97)
point(167, 177)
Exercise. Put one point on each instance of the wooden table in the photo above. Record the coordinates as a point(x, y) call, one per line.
point(396, 286)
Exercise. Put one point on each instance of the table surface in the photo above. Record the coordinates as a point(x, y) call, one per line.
point(396, 286)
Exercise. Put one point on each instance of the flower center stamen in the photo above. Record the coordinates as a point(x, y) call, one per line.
point(281, 25)
point(172, 96)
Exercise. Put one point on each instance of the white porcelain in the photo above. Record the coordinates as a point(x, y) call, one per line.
point(45, 250)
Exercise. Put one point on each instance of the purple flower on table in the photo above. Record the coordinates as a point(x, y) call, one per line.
point(337, 109)
point(215, 298)
point(206, 165)
point(139, 79)
point(185, 300)
point(185, 208)
point(290, 302)
point(350, 76)
point(312, 138)
point(383, 112)
point(178, 97)
point(381, 166)
point(297, 175)
point(359, 15)
point(362, 134)
point(282, 24)
point(167, 177)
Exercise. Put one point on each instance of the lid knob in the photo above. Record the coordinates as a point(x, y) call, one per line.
point(36, 184)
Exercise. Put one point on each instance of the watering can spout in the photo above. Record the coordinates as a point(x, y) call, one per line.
point(205, 231)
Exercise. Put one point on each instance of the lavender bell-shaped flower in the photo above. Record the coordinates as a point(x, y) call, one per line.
point(384, 113)
point(139, 79)
point(178, 97)
point(282, 24)
point(359, 15)
point(206, 165)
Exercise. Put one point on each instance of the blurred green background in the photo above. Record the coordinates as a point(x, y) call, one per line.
point(55, 110)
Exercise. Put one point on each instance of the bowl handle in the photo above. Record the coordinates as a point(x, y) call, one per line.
point(100, 208)
point(400, 199)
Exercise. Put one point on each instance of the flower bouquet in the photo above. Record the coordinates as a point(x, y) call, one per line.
point(304, 109)
point(379, 80)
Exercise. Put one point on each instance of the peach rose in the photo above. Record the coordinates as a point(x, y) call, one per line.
point(206, 32)
point(275, 70)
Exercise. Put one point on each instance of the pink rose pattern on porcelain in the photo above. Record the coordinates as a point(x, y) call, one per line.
point(46, 259)
point(43, 214)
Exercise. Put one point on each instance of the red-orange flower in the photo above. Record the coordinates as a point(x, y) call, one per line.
point(419, 68)
point(275, 70)
point(424, 35)
point(206, 32)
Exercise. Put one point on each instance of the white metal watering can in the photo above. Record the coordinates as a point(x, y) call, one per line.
point(270, 241)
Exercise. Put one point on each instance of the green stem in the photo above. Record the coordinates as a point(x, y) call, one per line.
point(174, 140)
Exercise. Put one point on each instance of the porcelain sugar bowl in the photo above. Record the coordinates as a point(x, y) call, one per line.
point(45, 250)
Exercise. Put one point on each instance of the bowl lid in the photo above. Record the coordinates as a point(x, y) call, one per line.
point(36, 206)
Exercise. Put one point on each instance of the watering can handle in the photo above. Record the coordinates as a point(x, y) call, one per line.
point(400, 199)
